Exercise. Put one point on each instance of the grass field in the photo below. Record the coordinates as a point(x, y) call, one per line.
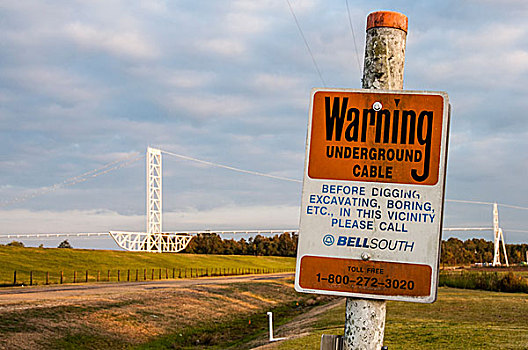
point(459, 319)
point(54, 260)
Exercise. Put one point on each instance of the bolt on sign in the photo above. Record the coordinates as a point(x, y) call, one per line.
point(373, 193)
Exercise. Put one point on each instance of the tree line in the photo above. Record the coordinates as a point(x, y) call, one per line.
point(284, 244)
point(478, 250)
point(454, 250)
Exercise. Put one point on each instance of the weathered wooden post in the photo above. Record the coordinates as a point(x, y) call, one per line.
point(383, 69)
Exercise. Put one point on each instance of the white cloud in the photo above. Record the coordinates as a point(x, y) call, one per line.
point(206, 106)
point(70, 221)
point(46, 221)
point(116, 42)
point(176, 78)
point(274, 82)
point(55, 82)
point(235, 217)
point(225, 47)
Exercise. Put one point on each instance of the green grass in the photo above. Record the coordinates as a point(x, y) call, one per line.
point(54, 260)
point(460, 319)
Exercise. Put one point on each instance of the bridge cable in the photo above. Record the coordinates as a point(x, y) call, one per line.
point(117, 164)
point(230, 167)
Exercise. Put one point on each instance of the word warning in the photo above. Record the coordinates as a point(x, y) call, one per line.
point(372, 201)
point(392, 138)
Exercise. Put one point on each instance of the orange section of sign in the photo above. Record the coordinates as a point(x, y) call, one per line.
point(376, 137)
point(365, 277)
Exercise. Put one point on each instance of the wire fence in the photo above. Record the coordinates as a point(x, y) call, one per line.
point(33, 278)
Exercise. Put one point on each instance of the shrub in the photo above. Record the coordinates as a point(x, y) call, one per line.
point(492, 281)
point(65, 244)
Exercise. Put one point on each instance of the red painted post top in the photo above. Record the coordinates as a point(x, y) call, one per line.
point(387, 19)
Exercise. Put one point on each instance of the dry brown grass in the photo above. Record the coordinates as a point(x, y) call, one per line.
point(130, 318)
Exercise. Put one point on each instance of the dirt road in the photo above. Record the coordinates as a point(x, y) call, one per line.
point(9, 296)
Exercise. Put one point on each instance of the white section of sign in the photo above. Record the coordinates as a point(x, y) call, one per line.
point(372, 222)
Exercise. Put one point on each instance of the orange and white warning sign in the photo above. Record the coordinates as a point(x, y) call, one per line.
point(373, 192)
point(393, 138)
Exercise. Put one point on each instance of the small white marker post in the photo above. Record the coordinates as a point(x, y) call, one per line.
point(270, 319)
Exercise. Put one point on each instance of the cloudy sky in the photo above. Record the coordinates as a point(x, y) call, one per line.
point(87, 83)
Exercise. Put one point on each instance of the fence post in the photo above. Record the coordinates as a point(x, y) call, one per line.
point(14, 278)
point(47, 277)
point(61, 277)
point(74, 276)
point(118, 275)
point(144, 274)
point(160, 273)
point(152, 274)
point(137, 275)
point(128, 275)
point(166, 273)
point(108, 276)
point(30, 278)
point(173, 272)
point(86, 276)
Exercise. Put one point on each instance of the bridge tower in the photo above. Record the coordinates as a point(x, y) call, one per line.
point(154, 240)
point(154, 199)
point(498, 237)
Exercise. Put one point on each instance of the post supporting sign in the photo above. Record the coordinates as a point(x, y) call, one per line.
point(373, 193)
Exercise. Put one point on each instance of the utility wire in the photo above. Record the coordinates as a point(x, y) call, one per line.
point(181, 156)
point(353, 37)
point(306, 43)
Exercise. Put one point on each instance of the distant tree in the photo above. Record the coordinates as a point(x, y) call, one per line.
point(65, 244)
point(15, 244)
point(41, 245)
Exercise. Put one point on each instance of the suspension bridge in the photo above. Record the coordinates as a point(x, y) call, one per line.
point(155, 239)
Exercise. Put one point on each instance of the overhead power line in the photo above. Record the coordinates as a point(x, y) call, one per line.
point(353, 37)
point(306, 43)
